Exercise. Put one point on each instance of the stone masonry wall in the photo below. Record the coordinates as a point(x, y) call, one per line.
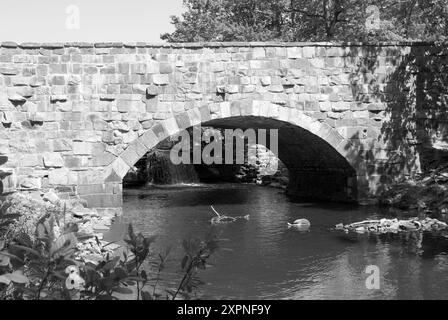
point(75, 117)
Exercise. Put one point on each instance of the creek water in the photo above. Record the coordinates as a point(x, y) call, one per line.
point(263, 259)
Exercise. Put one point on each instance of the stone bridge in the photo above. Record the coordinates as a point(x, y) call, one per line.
point(76, 116)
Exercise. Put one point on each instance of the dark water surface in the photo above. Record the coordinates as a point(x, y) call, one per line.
point(263, 259)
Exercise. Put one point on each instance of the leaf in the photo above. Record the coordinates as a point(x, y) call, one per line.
point(4, 260)
point(9, 255)
point(6, 223)
point(24, 239)
point(148, 240)
point(134, 278)
point(17, 277)
point(64, 242)
point(5, 280)
point(111, 264)
point(44, 228)
point(26, 249)
point(60, 275)
point(123, 290)
point(120, 273)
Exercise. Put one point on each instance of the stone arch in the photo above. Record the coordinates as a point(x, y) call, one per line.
point(165, 128)
point(116, 171)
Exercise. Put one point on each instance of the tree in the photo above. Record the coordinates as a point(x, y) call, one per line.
point(228, 20)
point(310, 20)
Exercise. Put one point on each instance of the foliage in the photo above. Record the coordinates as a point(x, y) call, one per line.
point(196, 255)
point(44, 266)
point(305, 20)
point(26, 213)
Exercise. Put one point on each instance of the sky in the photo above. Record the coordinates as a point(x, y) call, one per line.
point(87, 20)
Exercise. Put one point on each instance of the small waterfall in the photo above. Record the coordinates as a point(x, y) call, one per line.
point(160, 169)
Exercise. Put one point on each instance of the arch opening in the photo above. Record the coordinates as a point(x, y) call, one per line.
point(323, 164)
point(316, 170)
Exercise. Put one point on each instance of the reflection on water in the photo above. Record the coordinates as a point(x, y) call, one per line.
point(262, 258)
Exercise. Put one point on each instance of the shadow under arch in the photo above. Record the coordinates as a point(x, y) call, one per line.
point(320, 160)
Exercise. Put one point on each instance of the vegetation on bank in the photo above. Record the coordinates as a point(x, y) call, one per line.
point(41, 259)
point(427, 193)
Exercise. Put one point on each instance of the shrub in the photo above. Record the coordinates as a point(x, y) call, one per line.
point(44, 266)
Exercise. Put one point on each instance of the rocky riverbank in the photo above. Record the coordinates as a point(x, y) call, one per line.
point(90, 225)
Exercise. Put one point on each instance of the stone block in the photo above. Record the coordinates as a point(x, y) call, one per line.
point(59, 176)
point(140, 148)
point(324, 106)
point(232, 88)
point(160, 79)
point(170, 126)
point(195, 116)
point(258, 53)
point(53, 160)
point(138, 68)
point(82, 148)
point(294, 52)
point(130, 155)
point(149, 139)
point(31, 183)
point(129, 137)
point(165, 68)
point(334, 115)
point(360, 114)
point(312, 106)
point(276, 88)
point(31, 160)
point(334, 138)
point(58, 68)
point(340, 106)
point(152, 67)
point(118, 167)
point(183, 121)
point(152, 90)
point(9, 71)
point(309, 52)
point(90, 189)
point(205, 113)
point(131, 106)
point(217, 67)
